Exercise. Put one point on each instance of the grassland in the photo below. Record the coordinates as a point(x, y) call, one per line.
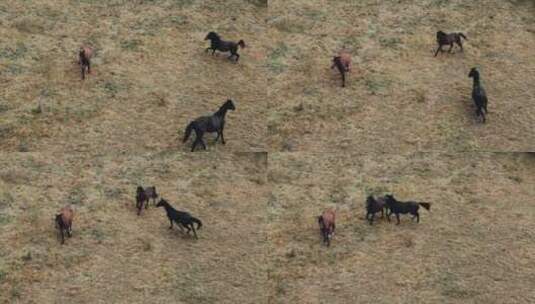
point(90, 143)
point(151, 75)
point(115, 256)
point(477, 245)
point(399, 97)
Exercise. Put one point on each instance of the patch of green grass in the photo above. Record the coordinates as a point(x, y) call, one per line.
point(275, 63)
point(377, 84)
point(76, 197)
point(19, 51)
point(390, 42)
point(259, 3)
point(131, 45)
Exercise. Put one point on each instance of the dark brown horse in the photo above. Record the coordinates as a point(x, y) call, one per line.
point(449, 39)
point(84, 60)
point(327, 225)
point(141, 199)
point(343, 63)
point(398, 207)
point(64, 222)
point(373, 206)
point(216, 43)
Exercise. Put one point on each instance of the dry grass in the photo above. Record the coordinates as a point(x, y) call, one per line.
point(151, 75)
point(400, 98)
point(477, 245)
point(91, 143)
point(115, 256)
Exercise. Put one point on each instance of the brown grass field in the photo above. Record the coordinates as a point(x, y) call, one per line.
point(115, 256)
point(399, 98)
point(296, 144)
point(476, 245)
point(151, 74)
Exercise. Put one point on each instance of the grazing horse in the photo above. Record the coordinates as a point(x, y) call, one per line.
point(449, 39)
point(64, 222)
point(343, 63)
point(84, 60)
point(327, 225)
point(373, 206)
point(210, 124)
point(182, 219)
point(216, 43)
point(141, 198)
point(398, 207)
point(478, 95)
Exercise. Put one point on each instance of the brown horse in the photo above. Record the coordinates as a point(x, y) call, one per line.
point(343, 63)
point(327, 225)
point(84, 60)
point(449, 39)
point(64, 222)
point(374, 205)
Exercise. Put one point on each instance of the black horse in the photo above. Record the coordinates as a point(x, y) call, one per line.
point(478, 95)
point(210, 124)
point(141, 198)
point(216, 43)
point(398, 207)
point(449, 39)
point(182, 219)
point(373, 206)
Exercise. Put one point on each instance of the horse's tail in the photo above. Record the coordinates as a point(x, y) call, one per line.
point(188, 131)
point(462, 35)
point(425, 205)
point(196, 220)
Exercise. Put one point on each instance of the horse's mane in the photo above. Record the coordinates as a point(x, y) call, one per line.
point(214, 35)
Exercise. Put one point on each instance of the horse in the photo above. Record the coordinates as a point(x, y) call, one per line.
point(182, 219)
point(445, 39)
point(150, 192)
point(84, 60)
point(327, 225)
point(343, 63)
point(478, 95)
point(210, 124)
point(398, 207)
point(141, 198)
point(64, 222)
point(373, 206)
point(216, 43)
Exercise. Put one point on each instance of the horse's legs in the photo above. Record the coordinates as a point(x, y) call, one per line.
point(69, 231)
point(237, 57)
point(397, 217)
point(222, 137)
point(382, 213)
point(460, 44)
point(88, 67)
point(203, 145)
point(451, 47)
point(213, 52)
point(171, 222)
point(147, 203)
point(439, 49)
point(83, 71)
point(371, 219)
point(62, 235)
point(194, 233)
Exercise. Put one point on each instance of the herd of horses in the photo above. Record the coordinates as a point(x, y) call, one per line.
point(383, 204)
point(342, 62)
point(183, 220)
point(215, 123)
